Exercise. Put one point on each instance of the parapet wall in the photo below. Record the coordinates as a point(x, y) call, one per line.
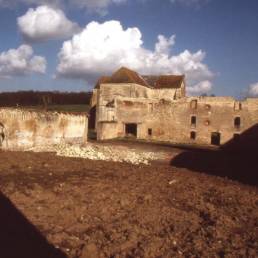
point(22, 128)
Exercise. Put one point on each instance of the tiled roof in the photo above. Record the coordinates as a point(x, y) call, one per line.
point(103, 79)
point(125, 75)
point(169, 81)
point(151, 79)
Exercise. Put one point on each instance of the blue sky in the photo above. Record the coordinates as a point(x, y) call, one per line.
point(215, 43)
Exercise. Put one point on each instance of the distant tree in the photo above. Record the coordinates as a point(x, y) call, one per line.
point(45, 98)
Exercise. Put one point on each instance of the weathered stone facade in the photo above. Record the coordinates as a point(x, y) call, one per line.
point(22, 128)
point(162, 114)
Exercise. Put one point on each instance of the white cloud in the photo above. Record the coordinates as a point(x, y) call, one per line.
point(200, 88)
point(163, 45)
point(21, 61)
point(45, 23)
point(253, 90)
point(99, 6)
point(102, 48)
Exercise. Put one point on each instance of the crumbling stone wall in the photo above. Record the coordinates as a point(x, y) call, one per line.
point(193, 120)
point(172, 121)
point(22, 128)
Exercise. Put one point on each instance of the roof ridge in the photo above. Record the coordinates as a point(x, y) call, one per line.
point(127, 75)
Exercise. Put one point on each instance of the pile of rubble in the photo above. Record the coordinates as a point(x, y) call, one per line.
point(99, 152)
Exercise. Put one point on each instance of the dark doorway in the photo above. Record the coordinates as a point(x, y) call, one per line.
point(92, 118)
point(131, 130)
point(215, 138)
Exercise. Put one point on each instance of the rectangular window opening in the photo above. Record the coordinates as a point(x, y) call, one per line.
point(193, 104)
point(238, 106)
point(237, 122)
point(193, 135)
point(150, 132)
point(193, 121)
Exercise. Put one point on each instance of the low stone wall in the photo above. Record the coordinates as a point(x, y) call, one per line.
point(22, 128)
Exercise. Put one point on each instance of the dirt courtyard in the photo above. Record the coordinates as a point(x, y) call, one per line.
point(52, 206)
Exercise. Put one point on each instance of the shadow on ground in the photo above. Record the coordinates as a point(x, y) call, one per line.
point(236, 159)
point(19, 238)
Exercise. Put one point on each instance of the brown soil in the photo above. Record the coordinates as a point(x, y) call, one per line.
point(104, 209)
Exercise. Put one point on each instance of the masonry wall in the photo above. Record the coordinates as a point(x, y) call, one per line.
point(172, 121)
point(165, 119)
point(21, 128)
point(110, 91)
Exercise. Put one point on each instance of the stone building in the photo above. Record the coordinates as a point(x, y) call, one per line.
point(23, 128)
point(157, 108)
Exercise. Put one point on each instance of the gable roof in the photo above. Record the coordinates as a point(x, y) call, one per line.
point(125, 75)
point(103, 79)
point(169, 81)
point(151, 79)
point(164, 81)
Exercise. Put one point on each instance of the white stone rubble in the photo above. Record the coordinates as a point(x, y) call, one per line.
point(97, 152)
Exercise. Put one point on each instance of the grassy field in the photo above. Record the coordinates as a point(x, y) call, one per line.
point(62, 108)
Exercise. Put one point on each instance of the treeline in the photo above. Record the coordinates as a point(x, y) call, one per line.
point(35, 98)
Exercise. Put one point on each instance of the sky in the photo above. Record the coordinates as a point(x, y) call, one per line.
point(67, 45)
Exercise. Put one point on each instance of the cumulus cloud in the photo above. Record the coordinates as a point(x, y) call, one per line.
point(102, 48)
point(45, 23)
point(21, 61)
point(200, 88)
point(253, 90)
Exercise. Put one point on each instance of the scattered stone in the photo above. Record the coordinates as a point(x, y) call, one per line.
point(172, 182)
point(97, 152)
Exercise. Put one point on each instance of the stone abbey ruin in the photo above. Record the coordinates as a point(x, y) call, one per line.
point(126, 104)
point(156, 108)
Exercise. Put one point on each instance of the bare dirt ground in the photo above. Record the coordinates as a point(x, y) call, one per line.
point(54, 206)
